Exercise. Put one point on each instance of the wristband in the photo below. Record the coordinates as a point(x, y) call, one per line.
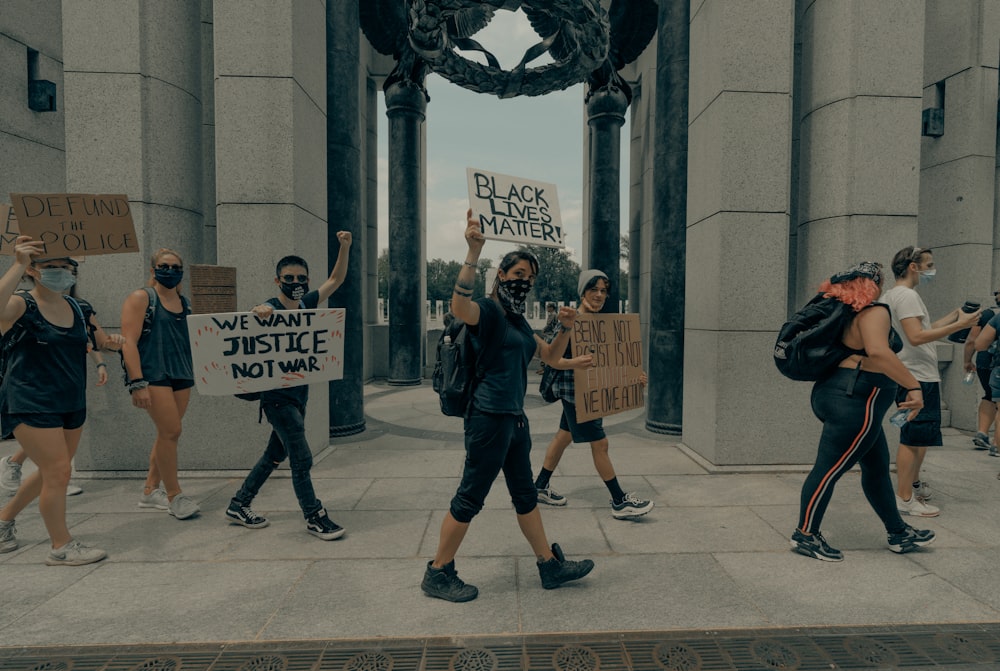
point(564, 329)
point(915, 389)
point(136, 385)
point(461, 292)
point(474, 266)
point(101, 365)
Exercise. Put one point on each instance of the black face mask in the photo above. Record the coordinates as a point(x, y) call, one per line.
point(512, 294)
point(168, 277)
point(294, 290)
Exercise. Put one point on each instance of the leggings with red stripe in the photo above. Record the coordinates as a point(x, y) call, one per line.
point(851, 405)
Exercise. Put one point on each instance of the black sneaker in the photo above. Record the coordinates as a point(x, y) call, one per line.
point(444, 583)
point(815, 546)
point(321, 526)
point(558, 570)
point(909, 539)
point(240, 514)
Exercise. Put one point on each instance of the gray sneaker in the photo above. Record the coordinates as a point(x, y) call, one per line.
point(993, 451)
point(155, 499)
point(8, 541)
point(182, 507)
point(75, 553)
point(981, 441)
point(73, 490)
point(10, 474)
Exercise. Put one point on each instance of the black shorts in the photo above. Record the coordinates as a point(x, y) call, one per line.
point(984, 381)
point(924, 430)
point(43, 420)
point(586, 432)
point(176, 385)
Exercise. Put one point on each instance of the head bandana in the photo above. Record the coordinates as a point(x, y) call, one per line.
point(870, 269)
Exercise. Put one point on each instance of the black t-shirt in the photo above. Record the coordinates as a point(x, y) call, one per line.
point(505, 364)
point(984, 359)
point(295, 395)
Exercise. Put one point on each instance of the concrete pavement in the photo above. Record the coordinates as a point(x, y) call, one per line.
point(712, 555)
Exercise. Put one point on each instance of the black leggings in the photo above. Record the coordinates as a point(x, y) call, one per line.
point(851, 404)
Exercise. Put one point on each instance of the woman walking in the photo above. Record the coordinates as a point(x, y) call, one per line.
point(497, 436)
point(851, 404)
point(43, 395)
point(157, 360)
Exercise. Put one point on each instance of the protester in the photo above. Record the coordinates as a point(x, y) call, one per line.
point(159, 375)
point(593, 286)
point(285, 408)
point(913, 266)
point(549, 330)
point(497, 436)
point(983, 367)
point(10, 467)
point(43, 396)
point(851, 404)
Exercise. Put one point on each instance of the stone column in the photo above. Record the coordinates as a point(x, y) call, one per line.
point(406, 104)
point(344, 205)
point(668, 245)
point(737, 236)
point(605, 117)
point(133, 88)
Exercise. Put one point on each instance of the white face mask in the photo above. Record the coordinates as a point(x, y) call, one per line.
point(927, 275)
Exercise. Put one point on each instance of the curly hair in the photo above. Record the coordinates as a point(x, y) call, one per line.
point(858, 293)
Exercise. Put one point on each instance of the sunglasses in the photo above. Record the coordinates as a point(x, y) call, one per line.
point(169, 266)
point(288, 279)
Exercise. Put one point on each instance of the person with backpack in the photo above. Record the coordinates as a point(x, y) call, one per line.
point(497, 435)
point(983, 367)
point(10, 466)
point(914, 266)
point(285, 408)
point(851, 402)
point(593, 286)
point(159, 375)
point(43, 396)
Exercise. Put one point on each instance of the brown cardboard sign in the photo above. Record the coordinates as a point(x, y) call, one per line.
point(213, 289)
point(611, 384)
point(9, 230)
point(76, 224)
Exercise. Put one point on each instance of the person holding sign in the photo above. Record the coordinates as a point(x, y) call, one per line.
point(285, 408)
point(157, 360)
point(43, 399)
point(497, 436)
point(593, 288)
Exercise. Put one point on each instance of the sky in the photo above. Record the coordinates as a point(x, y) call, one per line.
point(539, 138)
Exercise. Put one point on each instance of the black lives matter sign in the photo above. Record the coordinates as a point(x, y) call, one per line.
point(515, 209)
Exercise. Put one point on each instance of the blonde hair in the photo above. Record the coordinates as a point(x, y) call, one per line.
point(155, 259)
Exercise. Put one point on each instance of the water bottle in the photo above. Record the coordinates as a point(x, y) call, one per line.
point(960, 336)
point(898, 418)
point(969, 378)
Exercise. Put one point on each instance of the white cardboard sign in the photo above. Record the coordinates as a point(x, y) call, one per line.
point(515, 209)
point(238, 352)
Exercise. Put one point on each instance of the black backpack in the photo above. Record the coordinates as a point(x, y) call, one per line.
point(809, 345)
point(15, 334)
point(458, 368)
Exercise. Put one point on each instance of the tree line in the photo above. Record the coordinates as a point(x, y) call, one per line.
point(556, 282)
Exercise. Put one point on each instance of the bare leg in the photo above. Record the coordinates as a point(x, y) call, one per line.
point(907, 469)
point(531, 527)
point(986, 416)
point(602, 462)
point(555, 450)
point(167, 411)
point(452, 534)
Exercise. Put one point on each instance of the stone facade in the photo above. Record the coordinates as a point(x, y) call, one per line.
point(804, 155)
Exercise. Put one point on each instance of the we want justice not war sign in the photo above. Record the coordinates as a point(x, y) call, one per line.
point(232, 353)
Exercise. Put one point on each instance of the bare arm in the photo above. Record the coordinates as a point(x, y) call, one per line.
point(339, 272)
point(462, 305)
point(985, 338)
point(12, 308)
point(873, 324)
point(916, 334)
point(970, 349)
point(552, 352)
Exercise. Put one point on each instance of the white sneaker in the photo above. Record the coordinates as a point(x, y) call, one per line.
point(8, 537)
point(916, 507)
point(73, 490)
point(155, 499)
point(75, 553)
point(183, 507)
point(10, 474)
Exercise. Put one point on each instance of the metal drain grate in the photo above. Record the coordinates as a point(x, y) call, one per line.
point(819, 649)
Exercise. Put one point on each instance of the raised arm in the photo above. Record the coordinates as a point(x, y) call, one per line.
point(462, 305)
point(339, 272)
point(11, 310)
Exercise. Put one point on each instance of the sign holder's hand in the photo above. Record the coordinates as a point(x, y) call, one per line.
point(473, 233)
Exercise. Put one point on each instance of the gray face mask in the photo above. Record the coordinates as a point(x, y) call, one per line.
point(56, 279)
